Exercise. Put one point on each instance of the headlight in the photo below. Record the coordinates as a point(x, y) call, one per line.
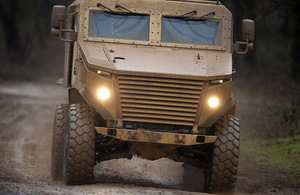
point(213, 102)
point(103, 93)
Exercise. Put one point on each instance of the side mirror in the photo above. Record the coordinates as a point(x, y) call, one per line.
point(61, 24)
point(248, 30)
point(55, 32)
point(59, 14)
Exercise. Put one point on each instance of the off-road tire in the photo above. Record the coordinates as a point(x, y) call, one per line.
point(58, 141)
point(222, 171)
point(80, 146)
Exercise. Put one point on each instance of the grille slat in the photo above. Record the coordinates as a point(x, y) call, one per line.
point(159, 100)
point(146, 107)
point(153, 93)
point(161, 112)
point(150, 120)
point(159, 116)
point(164, 89)
point(156, 84)
point(154, 102)
point(162, 80)
point(147, 97)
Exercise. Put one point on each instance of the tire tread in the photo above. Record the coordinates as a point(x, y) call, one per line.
point(80, 148)
point(225, 157)
point(58, 141)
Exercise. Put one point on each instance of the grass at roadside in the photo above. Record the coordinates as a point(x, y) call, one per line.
point(283, 153)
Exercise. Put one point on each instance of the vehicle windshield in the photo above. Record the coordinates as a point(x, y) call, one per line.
point(119, 25)
point(191, 31)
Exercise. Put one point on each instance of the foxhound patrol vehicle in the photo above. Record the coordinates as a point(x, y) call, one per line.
point(151, 78)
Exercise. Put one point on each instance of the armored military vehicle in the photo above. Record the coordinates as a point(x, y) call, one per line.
point(151, 78)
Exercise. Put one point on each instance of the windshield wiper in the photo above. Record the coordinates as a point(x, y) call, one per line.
point(210, 13)
point(101, 5)
point(201, 18)
point(118, 6)
point(191, 12)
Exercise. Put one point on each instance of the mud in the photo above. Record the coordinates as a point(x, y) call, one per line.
point(26, 119)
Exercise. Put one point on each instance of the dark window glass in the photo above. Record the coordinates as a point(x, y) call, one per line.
point(189, 31)
point(119, 25)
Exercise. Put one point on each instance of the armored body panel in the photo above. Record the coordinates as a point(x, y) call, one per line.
point(156, 76)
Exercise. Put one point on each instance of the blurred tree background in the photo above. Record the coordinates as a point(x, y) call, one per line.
point(27, 51)
point(271, 72)
point(25, 30)
point(277, 44)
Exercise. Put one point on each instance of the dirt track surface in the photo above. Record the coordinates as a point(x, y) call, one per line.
point(26, 120)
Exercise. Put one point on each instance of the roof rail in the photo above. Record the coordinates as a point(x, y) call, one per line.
point(217, 2)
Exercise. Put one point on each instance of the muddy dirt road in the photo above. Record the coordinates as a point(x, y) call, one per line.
point(26, 119)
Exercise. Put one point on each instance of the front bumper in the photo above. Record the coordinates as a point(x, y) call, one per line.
point(156, 136)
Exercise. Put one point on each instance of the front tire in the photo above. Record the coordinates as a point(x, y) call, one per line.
point(222, 170)
point(80, 146)
point(58, 141)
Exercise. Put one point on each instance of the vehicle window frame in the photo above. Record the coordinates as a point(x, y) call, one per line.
point(171, 21)
point(191, 45)
point(114, 40)
point(154, 33)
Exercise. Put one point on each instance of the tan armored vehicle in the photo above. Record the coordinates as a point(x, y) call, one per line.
point(151, 78)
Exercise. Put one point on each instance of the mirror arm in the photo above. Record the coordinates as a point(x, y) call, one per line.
point(62, 30)
point(237, 46)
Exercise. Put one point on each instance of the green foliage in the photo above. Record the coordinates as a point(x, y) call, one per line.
point(287, 121)
point(279, 152)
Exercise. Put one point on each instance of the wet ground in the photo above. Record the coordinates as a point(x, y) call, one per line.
point(26, 120)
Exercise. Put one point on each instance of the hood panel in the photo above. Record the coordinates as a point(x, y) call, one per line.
point(158, 60)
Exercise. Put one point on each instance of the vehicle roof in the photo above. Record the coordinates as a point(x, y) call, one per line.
point(197, 1)
point(192, 1)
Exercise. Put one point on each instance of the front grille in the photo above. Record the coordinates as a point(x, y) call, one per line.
point(159, 100)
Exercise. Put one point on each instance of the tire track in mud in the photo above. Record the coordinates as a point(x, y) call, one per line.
point(26, 131)
point(26, 119)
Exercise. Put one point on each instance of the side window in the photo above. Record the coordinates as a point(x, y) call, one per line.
point(76, 22)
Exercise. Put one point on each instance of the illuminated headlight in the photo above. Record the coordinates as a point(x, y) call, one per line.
point(103, 93)
point(213, 102)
